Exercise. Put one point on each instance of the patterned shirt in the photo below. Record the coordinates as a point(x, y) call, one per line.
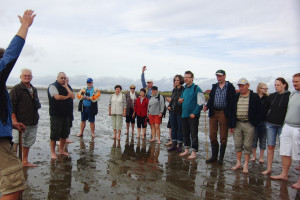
point(220, 97)
point(243, 107)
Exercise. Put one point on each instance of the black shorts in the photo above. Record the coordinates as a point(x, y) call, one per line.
point(129, 118)
point(60, 127)
point(141, 121)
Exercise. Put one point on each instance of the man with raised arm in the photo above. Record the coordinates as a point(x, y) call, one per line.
point(11, 170)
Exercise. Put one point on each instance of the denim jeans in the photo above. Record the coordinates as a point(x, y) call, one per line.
point(176, 127)
point(272, 131)
point(190, 131)
point(261, 135)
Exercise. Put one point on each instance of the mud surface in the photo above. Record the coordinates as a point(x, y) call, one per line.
point(103, 168)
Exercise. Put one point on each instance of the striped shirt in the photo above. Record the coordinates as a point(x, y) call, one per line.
point(220, 97)
point(242, 108)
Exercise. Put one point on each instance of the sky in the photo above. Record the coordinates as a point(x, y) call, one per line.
point(110, 41)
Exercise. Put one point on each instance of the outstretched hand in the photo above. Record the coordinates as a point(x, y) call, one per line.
point(27, 18)
point(144, 69)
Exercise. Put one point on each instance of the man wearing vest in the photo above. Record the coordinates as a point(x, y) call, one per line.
point(220, 106)
point(190, 115)
point(59, 95)
point(88, 107)
point(11, 171)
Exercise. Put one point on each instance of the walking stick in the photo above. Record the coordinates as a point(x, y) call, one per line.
point(205, 130)
point(20, 145)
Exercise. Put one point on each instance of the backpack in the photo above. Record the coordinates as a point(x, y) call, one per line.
point(165, 107)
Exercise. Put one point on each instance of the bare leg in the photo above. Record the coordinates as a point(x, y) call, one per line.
point(62, 147)
point(15, 195)
point(253, 155)
point(119, 135)
point(132, 128)
point(127, 128)
point(153, 133)
point(245, 167)
point(186, 152)
point(92, 125)
point(193, 155)
point(238, 161)
point(25, 162)
point(286, 163)
point(270, 156)
point(139, 133)
point(82, 126)
point(157, 130)
point(69, 141)
point(52, 148)
point(261, 156)
point(296, 185)
point(115, 134)
point(144, 133)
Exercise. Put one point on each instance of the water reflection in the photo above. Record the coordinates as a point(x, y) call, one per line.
point(60, 178)
point(86, 165)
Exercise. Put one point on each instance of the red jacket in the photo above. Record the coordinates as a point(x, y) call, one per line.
point(140, 109)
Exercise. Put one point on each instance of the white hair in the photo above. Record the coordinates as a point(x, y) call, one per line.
point(25, 70)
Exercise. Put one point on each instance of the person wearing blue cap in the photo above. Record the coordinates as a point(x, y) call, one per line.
point(88, 106)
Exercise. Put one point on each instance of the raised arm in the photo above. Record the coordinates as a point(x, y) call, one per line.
point(26, 21)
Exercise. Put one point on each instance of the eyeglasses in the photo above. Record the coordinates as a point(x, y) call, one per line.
point(132, 88)
point(88, 82)
point(29, 76)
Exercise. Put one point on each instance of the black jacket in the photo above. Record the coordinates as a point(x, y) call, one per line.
point(229, 109)
point(254, 110)
point(277, 107)
point(24, 105)
point(175, 107)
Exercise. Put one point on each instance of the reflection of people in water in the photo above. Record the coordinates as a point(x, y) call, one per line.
point(129, 149)
point(114, 163)
point(86, 163)
point(60, 178)
point(215, 186)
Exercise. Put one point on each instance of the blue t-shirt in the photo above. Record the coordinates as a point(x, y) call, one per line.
point(88, 93)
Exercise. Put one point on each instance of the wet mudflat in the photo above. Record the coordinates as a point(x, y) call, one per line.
point(103, 168)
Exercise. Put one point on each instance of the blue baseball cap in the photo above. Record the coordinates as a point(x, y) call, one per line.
point(89, 80)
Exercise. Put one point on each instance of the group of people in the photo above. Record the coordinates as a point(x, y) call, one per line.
point(249, 116)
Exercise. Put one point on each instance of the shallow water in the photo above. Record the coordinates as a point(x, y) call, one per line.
point(103, 168)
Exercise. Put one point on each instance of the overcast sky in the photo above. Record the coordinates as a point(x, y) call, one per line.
point(110, 41)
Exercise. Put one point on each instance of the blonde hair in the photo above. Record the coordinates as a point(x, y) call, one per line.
point(259, 86)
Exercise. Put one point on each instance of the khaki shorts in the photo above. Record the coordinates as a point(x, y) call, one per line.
point(11, 170)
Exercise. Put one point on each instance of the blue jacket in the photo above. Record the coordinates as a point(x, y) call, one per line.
point(6, 65)
point(189, 105)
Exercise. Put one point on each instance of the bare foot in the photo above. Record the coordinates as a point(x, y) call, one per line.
point(253, 159)
point(261, 161)
point(53, 156)
point(138, 137)
point(298, 168)
point(93, 135)
point(118, 138)
point(296, 185)
point(64, 153)
point(238, 166)
point(192, 157)
point(28, 164)
point(266, 172)
point(113, 137)
point(152, 140)
point(184, 153)
point(79, 135)
point(69, 141)
point(279, 177)
point(158, 142)
point(245, 170)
